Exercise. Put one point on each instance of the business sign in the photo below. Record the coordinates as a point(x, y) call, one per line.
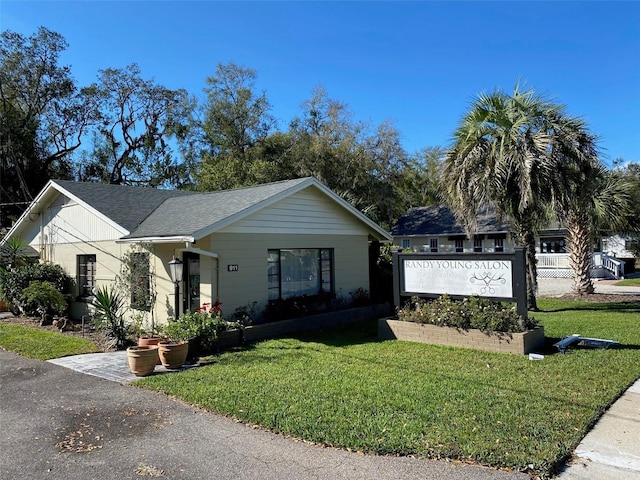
point(484, 278)
point(500, 276)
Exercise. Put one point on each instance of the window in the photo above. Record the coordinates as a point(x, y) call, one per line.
point(553, 245)
point(477, 244)
point(299, 271)
point(86, 275)
point(433, 245)
point(459, 244)
point(406, 243)
point(498, 244)
point(140, 281)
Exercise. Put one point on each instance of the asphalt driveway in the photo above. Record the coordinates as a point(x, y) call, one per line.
point(56, 423)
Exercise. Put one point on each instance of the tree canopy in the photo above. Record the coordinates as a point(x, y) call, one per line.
point(43, 117)
point(519, 154)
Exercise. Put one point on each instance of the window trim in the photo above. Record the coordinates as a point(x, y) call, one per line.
point(276, 254)
point(85, 289)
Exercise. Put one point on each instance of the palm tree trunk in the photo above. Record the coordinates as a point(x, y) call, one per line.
point(525, 237)
point(580, 249)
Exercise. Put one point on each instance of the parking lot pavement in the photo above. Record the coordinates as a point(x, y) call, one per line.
point(60, 424)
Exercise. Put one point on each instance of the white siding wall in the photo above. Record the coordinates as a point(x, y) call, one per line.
point(308, 212)
point(66, 222)
point(249, 252)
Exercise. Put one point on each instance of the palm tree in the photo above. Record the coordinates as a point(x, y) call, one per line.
point(502, 158)
point(593, 198)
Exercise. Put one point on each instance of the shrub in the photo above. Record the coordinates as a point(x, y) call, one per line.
point(472, 312)
point(109, 317)
point(360, 297)
point(14, 282)
point(300, 306)
point(42, 298)
point(201, 327)
point(246, 314)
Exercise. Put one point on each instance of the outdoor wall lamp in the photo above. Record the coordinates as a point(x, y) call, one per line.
point(175, 269)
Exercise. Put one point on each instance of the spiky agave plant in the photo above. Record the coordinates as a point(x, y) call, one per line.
point(109, 317)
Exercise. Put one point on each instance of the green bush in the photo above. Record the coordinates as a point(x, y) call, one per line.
point(14, 281)
point(201, 328)
point(109, 317)
point(42, 298)
point(472, 312)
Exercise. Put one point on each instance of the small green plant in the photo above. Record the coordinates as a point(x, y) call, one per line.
point(201, 327)
point(14, 282)
point(360, 297)
point(13, 254)
point(472, 312)
point(109, 317)
point(42, 298)
point(246, 314)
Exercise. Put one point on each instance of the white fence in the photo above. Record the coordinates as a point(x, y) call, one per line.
point(557, 265)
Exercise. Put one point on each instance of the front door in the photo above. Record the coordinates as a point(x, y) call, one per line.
point(192, 281)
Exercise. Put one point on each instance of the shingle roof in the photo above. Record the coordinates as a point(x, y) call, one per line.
point(186, 215)
point(440, 220)
point(126, 205)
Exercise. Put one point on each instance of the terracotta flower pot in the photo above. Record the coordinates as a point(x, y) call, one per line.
point(142, 360)
point(173, 353)
point(146, 340)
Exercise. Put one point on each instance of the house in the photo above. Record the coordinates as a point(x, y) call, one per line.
point(254, 244)
point(435, 229)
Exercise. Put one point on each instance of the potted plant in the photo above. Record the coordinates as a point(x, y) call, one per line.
point(142, 359)
point(199, 329)
point(173, 353)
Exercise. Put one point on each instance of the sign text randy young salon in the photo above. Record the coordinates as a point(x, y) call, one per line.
point(486, 278)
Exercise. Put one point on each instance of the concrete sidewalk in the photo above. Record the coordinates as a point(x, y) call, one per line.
point(611, 451)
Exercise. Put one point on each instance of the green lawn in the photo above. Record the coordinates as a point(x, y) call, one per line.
point(344, 388)
point(629, 282)
point(33, 342)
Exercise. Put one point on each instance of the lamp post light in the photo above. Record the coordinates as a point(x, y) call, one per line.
point(175, 269)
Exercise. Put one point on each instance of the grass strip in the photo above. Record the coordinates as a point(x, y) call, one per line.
point(343, 387)
point(41, 344)
point(628, 282)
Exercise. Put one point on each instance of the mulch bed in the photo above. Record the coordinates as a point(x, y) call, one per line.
point(98, 338)
point(602, 297)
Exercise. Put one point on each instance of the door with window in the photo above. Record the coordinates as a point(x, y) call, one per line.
point(191, 281)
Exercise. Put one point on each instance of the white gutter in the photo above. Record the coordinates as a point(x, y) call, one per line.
point(176, 239)
point(190, 248)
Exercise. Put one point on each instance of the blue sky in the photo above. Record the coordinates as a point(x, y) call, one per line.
point(419, 64)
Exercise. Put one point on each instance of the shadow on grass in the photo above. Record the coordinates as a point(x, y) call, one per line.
point(580, 305)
